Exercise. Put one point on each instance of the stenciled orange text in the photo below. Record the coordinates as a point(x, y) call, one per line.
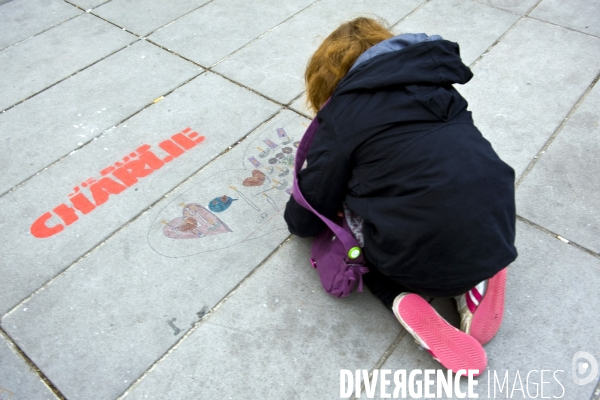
point(113, 180)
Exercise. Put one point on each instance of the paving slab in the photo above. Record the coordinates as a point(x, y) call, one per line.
point(580, 15)
point(475, 27)
point(561, 191)
point(45, 59)
point(131, 299)
point(212, 32)
point(278, 336)
point(516, 6)
point(410, 356)
point(527, 84)
point(300, 105)
point(88, 4)
point(148, 157)
point(546, 321)
point(21, 19)
point(17, 380)
point(98, 287)
point(50, 125)
point(274, 64)
point(144, 16)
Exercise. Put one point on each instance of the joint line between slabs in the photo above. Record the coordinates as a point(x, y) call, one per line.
point(116, 25)
point(533, 7)
point(175, 53)
point(54, 26)
point(84, 68)
point(509, 11)
point(83, 9)
point(556, 236)
point(489, 49)
point(280, 104)
point(388, 352)
point(564, 27)
point(69, 76)
point(288, 106)
point(596, 392)
point(39, 33)
point(554, 135)
point(497, 8)
point(31, 364)
point(112, 234)
point(206, 316)
point(264, 33)
point(178, 18)
point(89, 11)
point(209, 69)
point(384, 357)
point(294, 99)
point(417, 8)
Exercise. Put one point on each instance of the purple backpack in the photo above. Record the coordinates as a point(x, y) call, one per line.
point(335, 253)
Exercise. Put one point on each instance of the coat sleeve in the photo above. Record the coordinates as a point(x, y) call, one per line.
point(323, 183)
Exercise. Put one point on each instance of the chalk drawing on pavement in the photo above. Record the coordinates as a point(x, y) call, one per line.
point(249, 200)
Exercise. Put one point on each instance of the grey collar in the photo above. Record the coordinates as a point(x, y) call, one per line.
point(393, 44)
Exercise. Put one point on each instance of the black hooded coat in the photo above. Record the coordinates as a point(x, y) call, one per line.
point(397, 144)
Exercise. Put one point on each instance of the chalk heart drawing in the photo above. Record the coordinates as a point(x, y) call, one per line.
point(196, 222)
point(257, 179)
point(234, 205)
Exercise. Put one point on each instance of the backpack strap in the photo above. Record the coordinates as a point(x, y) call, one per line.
point(301, 154)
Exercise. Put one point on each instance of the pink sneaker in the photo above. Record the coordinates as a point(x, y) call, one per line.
point(482, 308)
point(453, 349)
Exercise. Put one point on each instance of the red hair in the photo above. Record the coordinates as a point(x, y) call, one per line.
point(338, 52)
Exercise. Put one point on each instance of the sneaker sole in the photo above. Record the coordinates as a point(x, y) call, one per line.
point(453, 348)
point(488, 315)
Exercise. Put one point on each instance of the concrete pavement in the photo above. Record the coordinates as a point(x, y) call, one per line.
point(146, 149)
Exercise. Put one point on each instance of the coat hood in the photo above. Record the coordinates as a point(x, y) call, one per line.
point(401, 62)
point(409, 75)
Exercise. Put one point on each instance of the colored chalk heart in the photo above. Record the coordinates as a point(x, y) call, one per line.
point(257, 179)
point(196, 222)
